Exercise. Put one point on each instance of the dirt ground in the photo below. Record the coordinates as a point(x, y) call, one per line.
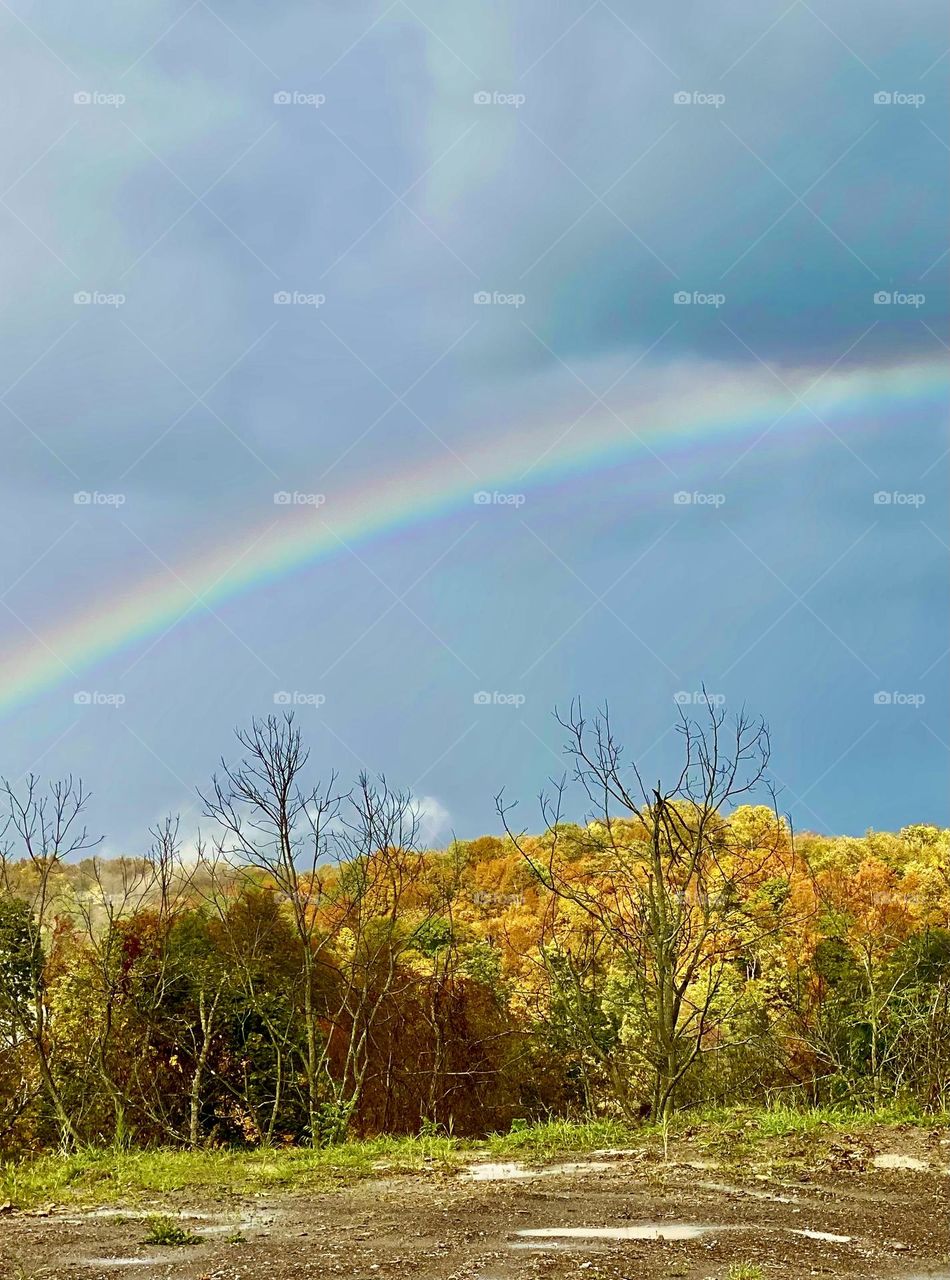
point(847, 1207)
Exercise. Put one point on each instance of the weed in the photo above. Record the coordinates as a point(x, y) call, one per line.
point(163, 1229)
point(109, 1174)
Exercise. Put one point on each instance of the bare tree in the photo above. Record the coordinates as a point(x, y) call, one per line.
point(39, 832)
point(274, 822)
point(343, 865)
point(658, 872)
point(380, 869)
point(114, 893)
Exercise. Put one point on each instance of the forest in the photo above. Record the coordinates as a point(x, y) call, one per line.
point(310, 971)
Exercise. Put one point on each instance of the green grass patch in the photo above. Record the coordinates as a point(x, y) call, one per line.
point(161, 1229)
point(97, 1175)
point(554, 1137)
point(106, 1175)
point(780, 1120)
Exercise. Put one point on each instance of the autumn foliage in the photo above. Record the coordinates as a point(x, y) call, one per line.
point(305, 978)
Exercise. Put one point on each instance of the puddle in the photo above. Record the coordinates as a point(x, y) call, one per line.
point(110, 1211)
point(888, 1161)
point(752, 1192)
point(124, 1262)
point(511, 1171)
point(499, 1172)
point(820, 1235)
point(645, 1231)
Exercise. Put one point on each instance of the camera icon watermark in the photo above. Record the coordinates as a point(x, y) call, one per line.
point(93, 698)
point(895, 498)
point(894, 98)
point(894, 298)
point(285, 298)
point(695, 98)
point(894, 698)
point(85, 498)
point(496, 99)
point(696, 298)
point(698, 698)
point(492, 498)
point(286, 498)
point(684, 498)
point(95, 98)
point(494, 698)
point(485, 299)
point(298, 698)
point(294, 98)
point(95, 298)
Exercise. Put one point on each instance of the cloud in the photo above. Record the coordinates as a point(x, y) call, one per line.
point(434, 819)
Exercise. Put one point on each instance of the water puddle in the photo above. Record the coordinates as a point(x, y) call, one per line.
point(645, 1231)
point(505, 1172)
point(157, 1260)
point(752, 1192)
point(889, 1161)
point(820, 1235)
point(110, 1211)
point(511, 1171)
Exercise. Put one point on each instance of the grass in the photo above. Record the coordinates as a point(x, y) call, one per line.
point(745, 1271)
point(108, 1175)
point(782, 1121)
point(99, 1175)
point(161, 1229)
point(556, 1136)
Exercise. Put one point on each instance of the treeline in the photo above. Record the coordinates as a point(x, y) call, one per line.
point(310, 970)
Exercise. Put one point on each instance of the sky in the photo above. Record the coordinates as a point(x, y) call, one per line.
point(418, 368)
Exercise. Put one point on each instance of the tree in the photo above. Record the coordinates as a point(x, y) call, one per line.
point(344, 867)
point(664, 879)
point(44, 829)
point(274, 822)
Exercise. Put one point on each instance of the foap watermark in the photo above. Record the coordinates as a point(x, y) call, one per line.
point(284, 498)
point(295, 98)
point(492, 498)
point(494, 698)
point(894, 698)
point(894, 298)
point(298, 698)
point(485, 299)
point(95, 698)
point(698, 698)
point(285, 298)
point(95, 298)
point(895, 98)
point(498, 99)
point(696, 298)
point(487, 898)
point(95, 98)
point(683, 498)
point(96, 499)
point(895, 498)
point(695, 98)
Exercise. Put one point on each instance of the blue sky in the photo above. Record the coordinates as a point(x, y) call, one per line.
point(592, 159)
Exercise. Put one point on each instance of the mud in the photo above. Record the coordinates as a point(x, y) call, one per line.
point(839, 1211)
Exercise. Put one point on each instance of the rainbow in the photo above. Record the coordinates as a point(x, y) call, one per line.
point(299, 536)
